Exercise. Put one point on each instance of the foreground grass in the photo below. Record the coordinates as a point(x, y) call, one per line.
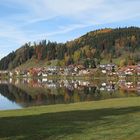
point(116, 119)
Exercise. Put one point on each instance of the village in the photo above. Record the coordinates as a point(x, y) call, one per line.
point(75, 70)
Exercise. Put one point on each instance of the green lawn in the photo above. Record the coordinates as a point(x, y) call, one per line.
point(116, 119)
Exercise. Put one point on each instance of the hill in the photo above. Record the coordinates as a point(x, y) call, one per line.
point(120, 46)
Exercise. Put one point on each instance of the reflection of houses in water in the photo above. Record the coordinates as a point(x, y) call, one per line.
point(138, 70)
point(4, 73)
point(10, 80)
point(25, 95)
point(4, 82)
point(138, 87)
point(73, 84)
point(130, 86)
point(30, 92)
point(110, 86)
point(44, 80)
point(17, 81)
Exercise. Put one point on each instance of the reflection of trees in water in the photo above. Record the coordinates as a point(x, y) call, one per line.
point(92, 93)
point(52, 93)
point(83, 94)
point(23, 98)
point(51, 96)
point(128, 93)
point(15, 94)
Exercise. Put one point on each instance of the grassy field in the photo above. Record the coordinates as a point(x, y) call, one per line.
point(31, 63)
point(114, 119)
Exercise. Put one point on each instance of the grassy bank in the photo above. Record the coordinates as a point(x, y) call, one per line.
point(115, 119)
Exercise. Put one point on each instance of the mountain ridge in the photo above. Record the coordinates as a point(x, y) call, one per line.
point(95, 47)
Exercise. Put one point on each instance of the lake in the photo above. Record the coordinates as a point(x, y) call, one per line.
point(22, 93)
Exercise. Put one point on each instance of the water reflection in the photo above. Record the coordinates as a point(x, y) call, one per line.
point(31, 92)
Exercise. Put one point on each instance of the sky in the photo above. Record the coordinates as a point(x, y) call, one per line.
point(24, 21)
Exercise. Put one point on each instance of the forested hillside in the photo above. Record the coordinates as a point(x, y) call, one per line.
point(106, 45)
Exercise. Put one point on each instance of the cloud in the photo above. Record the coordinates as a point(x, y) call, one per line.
point(23, 20)
point(62, 30)
point(99, 10)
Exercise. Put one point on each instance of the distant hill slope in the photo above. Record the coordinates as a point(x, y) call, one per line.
point(121, 46)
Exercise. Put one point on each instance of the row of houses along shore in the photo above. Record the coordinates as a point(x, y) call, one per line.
point(75, 70)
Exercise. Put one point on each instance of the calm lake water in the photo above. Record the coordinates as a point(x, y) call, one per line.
point(16, 94)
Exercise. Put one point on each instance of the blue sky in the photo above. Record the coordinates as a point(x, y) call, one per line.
point(22, 21)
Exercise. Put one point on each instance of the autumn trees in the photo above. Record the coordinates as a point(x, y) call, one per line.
point(98, 45)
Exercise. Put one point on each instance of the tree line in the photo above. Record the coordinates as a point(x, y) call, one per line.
point(88, 50)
